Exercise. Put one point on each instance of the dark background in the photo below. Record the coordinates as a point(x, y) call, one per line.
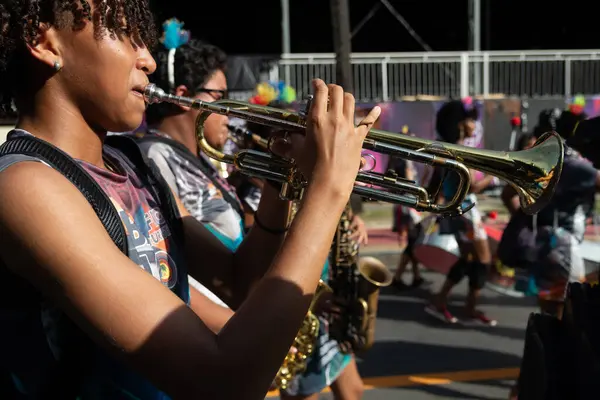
point(254, 27)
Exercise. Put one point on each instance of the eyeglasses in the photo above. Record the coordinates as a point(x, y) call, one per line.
point(216, 94)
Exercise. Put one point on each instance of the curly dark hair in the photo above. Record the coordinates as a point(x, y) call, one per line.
point(449, 116)
point(194, 64)
point(21, 21)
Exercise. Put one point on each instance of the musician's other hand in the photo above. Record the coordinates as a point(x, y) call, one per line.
point(328, 304)
point(333, 145)
point(360, 233)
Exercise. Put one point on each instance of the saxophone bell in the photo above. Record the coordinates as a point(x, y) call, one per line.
point(375, 276)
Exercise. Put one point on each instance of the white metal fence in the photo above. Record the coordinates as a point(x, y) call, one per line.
point(396, 76)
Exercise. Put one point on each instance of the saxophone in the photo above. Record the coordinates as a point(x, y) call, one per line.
point(304, 342)
point(355, 283)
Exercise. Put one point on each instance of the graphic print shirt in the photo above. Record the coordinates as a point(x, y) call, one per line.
point(50, 334)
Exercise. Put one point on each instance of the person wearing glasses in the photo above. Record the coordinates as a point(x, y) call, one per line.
point(192, 68)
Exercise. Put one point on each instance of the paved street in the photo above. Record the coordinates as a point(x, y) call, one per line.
point(417, 357)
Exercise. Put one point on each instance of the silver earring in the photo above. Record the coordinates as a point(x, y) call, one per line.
point(57, 66)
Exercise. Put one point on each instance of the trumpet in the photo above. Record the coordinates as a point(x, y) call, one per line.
point(533, 173)
point(241, 137)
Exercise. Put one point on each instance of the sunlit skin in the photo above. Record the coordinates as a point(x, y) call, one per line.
point(63, 250)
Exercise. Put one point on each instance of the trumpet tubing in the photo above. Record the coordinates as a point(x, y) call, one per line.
point(241, 136)
point(533, 172)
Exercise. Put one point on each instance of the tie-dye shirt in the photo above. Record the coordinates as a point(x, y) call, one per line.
point(50, 334)
point(204, 200)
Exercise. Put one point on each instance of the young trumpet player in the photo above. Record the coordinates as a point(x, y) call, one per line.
point(94, 320)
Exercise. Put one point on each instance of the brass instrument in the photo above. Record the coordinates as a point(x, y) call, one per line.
point(241, 137)
point(355, 283)
point(304, 342)
point(533, 172)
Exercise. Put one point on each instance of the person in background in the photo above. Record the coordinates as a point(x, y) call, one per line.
point(192, 69)
point(476, 138)
point(454, 123)
point(403, 217)
point(511, 255)
point(407, 258)
point(249, 188)
point(554, 256)
point(407, 223)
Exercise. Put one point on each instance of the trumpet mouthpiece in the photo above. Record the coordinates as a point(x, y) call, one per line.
point(153, 94)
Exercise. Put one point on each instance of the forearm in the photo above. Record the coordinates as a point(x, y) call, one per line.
point(249, 264)
point(218, 315)
point(282, 297)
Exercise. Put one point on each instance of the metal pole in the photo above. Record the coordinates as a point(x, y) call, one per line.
point(475, 40)
point(477, 25)
point(488, 25)
point(285, 26)
point(342, 43)
point(285, 35)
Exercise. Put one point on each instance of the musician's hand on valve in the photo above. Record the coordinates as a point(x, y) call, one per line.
point(333, 145)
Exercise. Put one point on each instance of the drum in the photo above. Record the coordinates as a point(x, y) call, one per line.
point(436, 251)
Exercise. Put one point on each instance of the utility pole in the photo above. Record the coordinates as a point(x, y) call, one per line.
point(285, 35)
point(342, 45)
point(475, 40)
point(488, 25)
point(340, 21)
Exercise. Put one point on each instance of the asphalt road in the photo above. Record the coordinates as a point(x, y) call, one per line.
point(417, 357)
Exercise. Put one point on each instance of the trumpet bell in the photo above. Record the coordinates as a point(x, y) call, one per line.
point(535, 171)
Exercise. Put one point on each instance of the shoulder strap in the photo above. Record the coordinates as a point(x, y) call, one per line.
point(184, 152)
point(153, 181)
point(75, 358)
point(63, 163)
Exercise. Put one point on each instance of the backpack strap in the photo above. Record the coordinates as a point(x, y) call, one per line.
point(67, 166)
point(200, 164)
point(73, 367)
point(153, 180)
